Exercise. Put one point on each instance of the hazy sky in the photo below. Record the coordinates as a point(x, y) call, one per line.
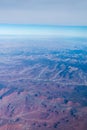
point(43, 30)
point(59, 12)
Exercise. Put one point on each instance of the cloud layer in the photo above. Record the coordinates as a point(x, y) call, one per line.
point(62, 12)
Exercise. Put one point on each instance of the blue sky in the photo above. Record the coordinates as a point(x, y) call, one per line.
point(53, 12)
point(43, 30)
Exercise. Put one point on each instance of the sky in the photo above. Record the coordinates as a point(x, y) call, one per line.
point(49, 12)
point(42, 30)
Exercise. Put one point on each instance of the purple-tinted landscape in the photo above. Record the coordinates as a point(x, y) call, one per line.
point(43, 64)
point(43, 84)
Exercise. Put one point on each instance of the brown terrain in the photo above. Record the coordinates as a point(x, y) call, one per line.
point(43, 89)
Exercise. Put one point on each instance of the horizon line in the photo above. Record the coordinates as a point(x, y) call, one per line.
point(45, 25)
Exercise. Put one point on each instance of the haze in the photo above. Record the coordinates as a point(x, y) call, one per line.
point(55, 12)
